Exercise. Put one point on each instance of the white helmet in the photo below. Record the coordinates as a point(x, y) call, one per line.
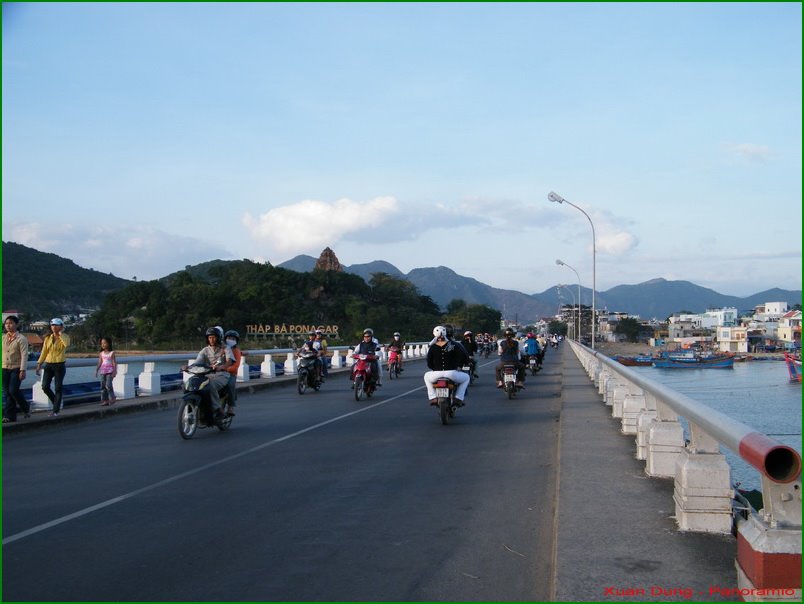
point(439, 331)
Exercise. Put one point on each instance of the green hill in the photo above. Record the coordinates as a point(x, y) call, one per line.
point(40, 285)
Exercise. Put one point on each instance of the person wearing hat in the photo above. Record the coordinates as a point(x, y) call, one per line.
point(15, 357)
point(52, 358)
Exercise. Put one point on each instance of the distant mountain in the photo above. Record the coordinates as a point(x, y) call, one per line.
point(378, 266)
point(43, 285)
point(300, 264)
point(657, 298)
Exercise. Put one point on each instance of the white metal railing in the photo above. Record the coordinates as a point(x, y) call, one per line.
point(703, 494)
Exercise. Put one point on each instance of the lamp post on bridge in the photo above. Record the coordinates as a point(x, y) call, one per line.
point(555, 197)
point(561, 263)
point(577, 334)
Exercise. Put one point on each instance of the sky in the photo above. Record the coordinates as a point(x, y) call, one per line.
point(139, 138)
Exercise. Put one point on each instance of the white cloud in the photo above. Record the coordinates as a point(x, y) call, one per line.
point(131, 251)
point(752, 152)
point(310, 225)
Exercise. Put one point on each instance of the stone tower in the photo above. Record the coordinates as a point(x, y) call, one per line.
point(328, 261)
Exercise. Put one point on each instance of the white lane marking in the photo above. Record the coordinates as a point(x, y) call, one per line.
point(109, 502)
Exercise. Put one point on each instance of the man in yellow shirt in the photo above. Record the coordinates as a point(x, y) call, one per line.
point(53, 357)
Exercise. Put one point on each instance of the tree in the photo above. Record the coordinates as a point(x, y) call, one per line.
point(628, 327)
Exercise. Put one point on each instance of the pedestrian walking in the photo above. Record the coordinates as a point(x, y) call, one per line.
point(15, 357)
point(51, 363)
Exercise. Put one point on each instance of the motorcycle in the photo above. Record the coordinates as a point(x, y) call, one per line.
point(394, 363)
point(365, 380)
point(470, 369)
point(307, 376)
point(534, 364)
point(196, 407)
point(446, 404)
point(509, 380)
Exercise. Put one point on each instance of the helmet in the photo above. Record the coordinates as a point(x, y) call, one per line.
point(369, 331)
point(467, 333)
point(450, 330)
point(530, 334)
point(397, 334)
point(318, 332)
point(232, 334)
point(213, 331)
point(439, 331)
point(509, 332)
point(57, 321)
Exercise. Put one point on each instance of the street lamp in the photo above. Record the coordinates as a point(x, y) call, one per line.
point(573, 304)
point(558, 199)
point(560, 263)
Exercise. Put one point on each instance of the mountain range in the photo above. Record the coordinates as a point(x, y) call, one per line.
point(657, 298)
point(42, 284)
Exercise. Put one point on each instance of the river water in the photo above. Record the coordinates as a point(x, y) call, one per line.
point(756, 393)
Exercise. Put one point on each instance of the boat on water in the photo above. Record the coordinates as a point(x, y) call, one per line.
point(693, 360)
point(639, 360)
point(793, 367)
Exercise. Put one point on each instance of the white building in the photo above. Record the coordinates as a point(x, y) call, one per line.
point(732, 339)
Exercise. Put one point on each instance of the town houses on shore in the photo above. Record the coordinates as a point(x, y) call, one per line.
point(769, 327)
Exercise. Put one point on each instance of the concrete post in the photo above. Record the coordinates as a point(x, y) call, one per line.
point(349, 360)
point(243, 370)
point(123, 383)
point(702, 492)
point(633, 405)
point(40, 399)
point(769, 546)
point(290, 364)
point(337, 360)
point(617, 399)
point(267, 367)
point(150, 381)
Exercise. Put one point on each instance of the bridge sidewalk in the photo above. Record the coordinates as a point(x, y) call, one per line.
point(617, 538)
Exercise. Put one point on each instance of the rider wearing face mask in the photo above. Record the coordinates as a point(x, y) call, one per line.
point(232, 342)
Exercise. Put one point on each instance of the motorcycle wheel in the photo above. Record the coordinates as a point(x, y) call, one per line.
point(301, 382)
point(225, 424)
point(188, 419)
point(391, 371)
point(358, 387)
point(444, 410)
point(511, 389)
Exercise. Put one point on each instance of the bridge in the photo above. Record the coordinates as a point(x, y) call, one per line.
point(583, 488)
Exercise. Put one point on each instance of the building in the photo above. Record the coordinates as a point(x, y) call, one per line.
point(732, 338)
point(788, 330)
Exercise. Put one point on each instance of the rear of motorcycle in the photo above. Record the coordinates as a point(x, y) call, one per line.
point(445, 397)
point(533, 363)
point(509, 380)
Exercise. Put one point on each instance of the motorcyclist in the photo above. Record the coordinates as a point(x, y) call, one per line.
point(369, 345)
point(470, 345)
point(319, 335)
point(445, 358)
point(218, 357)
point(397, 344)
point(510, 353)
point(532, 349)
point(313, 345)
point(232, 339)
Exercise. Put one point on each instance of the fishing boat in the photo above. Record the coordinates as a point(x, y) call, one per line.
point(639, 360)
point(694, 360)
point(793, 367)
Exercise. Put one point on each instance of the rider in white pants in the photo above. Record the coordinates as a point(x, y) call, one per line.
point(445, 358)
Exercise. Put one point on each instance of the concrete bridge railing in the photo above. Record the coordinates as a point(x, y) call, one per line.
point(768, 559)
point(149, 378)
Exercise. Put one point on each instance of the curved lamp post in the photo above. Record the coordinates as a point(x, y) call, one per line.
point(577, 333)
point(573, 302)
point(555, 197)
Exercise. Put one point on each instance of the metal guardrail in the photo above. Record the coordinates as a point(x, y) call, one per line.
point(650, 411)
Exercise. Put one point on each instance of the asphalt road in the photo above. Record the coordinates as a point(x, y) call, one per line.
point(313, 497)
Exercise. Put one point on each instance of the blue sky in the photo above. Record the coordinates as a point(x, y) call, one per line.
point(140, 138)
